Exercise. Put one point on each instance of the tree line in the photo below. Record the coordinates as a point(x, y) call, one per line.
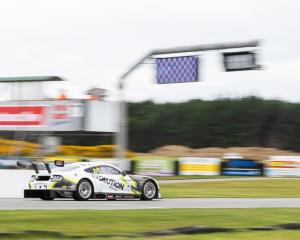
point(249, 121)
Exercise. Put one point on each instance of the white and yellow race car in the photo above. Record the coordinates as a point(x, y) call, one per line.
point(89, 180)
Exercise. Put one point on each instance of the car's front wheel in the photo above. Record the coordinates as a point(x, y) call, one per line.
point(149, 190)
point(84, 190)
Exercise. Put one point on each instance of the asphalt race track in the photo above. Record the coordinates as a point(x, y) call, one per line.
point(65, 204)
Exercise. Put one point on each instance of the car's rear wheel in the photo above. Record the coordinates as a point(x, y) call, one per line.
point(149, 190)
point(84, 190)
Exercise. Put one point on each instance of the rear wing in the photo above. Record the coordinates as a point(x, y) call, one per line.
point(34, 165)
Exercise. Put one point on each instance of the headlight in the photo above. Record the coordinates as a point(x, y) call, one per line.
point(56, 178)
point(33, 178)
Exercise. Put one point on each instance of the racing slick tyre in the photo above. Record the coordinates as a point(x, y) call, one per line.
point(149, 190)
point(47, 198)
point(84, 190)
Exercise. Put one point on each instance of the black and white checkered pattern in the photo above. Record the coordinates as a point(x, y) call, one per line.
point(177, 69)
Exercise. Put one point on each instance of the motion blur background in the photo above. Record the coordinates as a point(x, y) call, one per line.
point(227, 124)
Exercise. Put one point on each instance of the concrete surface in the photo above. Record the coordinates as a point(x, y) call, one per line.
point(36, 204)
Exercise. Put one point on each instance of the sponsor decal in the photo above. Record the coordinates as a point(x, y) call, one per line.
point(199, 166)
point(241, 163)
point(22, 115)
point(155, 166)
point(283, 166)
point(134, 188)
point(233, 172)
point(241, 167)
point(123, 181)
point(60, 114)
point(110, 182)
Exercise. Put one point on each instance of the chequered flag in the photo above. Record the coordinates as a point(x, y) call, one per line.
point(177, 69)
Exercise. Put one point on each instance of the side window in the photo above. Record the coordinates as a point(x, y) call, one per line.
point(107, 170)
point(89, 170)
point(104, 170)
point(114, 171)
point(92, 170)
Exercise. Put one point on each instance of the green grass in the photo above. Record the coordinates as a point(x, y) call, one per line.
point(239, 189)
point(197, 177)
point(92, 223)
point(276, 235)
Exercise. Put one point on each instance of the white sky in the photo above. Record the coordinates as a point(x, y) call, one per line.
point(92, 42)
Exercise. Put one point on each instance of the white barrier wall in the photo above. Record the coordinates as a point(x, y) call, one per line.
point(13, 182)
point(199, 166)
point(283, 166)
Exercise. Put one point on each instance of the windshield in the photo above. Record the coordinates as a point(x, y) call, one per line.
point(65, 168)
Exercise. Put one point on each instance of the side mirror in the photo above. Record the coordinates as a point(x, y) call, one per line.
point(124, 173)
point(59, 163)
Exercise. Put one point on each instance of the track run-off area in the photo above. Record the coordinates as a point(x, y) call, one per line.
point(183, 200)
point(65, 204)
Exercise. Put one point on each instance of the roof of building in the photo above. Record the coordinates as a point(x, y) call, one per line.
point(31, 79)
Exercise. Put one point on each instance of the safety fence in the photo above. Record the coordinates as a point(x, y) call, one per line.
point(275, 166)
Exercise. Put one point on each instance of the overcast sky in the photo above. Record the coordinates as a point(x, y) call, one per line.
point(91, 43)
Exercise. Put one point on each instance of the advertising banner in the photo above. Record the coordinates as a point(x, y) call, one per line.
point(59, 115)
point(283, 166)
point(22, 115)
point(199, 166)
point(41, 115)
point(241, 167)
point(155, 166)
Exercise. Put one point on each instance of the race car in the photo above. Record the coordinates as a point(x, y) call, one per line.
point(89, 180)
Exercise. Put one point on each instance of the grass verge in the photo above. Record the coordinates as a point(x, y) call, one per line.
point(198, 177)
point(256, 188)
point(97, 224)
